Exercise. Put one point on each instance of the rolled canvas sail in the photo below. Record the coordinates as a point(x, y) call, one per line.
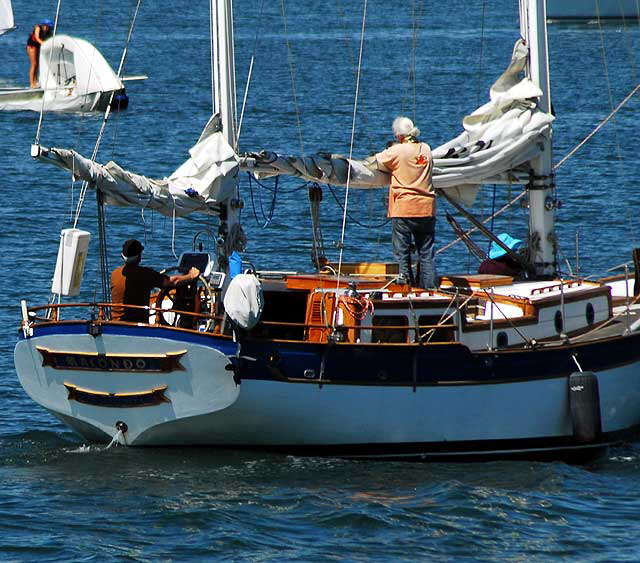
point(207, 178)
point(6, 16)
point(498, 141)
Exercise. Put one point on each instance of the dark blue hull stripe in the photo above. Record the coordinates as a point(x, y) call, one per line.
point(395, 365)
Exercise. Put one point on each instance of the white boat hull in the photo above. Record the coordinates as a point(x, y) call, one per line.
point(65, 101)
point(200, 386)
point(206, 407)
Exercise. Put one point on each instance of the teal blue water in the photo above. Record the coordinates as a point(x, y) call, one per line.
point(61, 500)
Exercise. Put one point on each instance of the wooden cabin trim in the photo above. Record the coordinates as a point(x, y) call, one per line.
point(533, 310)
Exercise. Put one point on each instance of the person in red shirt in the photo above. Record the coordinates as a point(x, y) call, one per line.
point(412, 200)
point(131, 284)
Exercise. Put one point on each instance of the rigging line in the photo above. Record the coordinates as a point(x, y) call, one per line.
point(598, 127)
point(606, 71)
point(360, 224)
point(249, 74)
point(93, 55)
point(353, 134)
point(281, 190)
point(55, 28)
point(493, 211)
point(267, 217)
point(107, 113)
point(474, 229)
point(628, 41)
point(414, 44)
point(612, 319)
point(491, 298)
point(352, 63)
point(102, 246)
point(410, 84)
point(481, 55)
point(173, 231)
point(212, 57)
point(444, 319)
point(412, 67)
point(292, 74)
point(295, 97)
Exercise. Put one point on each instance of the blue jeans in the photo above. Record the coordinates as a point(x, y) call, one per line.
point(423, 231)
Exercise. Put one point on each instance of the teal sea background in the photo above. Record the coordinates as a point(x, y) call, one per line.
point(63, 500)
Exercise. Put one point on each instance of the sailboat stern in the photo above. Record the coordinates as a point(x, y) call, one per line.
point(100, 384)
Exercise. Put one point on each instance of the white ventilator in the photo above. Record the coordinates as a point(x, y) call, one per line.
point(72, 255)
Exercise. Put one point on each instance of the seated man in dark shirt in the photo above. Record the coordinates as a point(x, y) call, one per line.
point(131, 284)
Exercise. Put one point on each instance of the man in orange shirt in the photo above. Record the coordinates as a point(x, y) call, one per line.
point(412, 200)
point(131, 284)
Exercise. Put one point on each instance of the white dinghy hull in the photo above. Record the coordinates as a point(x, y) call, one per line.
point(73, 77)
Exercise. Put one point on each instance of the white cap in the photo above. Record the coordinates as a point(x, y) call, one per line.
point(404, 127)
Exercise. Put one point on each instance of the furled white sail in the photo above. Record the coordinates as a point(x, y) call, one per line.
point(6, 16)
point(200, 184)
point(498, 141)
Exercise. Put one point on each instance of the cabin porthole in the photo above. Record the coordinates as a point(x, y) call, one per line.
point(590, 314)
point(558, 322)
point(502, 340)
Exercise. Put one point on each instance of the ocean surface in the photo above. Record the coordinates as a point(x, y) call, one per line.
point(62, 500)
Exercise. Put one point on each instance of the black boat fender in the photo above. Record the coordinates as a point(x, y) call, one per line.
point(584, 402)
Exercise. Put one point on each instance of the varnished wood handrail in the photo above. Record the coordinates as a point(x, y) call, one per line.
point(157, 310)
point(103, 306)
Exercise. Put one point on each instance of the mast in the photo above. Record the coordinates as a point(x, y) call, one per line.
point(224, 76)
point(541, 188)
point(224, 104)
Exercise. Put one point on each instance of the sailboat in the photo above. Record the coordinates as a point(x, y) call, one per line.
point(346, 360)
point(6, 17)
point(73, 77)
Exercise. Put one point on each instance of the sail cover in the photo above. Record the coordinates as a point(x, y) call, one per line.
point(200, 184)
point(6, 16)
point(498, 141)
